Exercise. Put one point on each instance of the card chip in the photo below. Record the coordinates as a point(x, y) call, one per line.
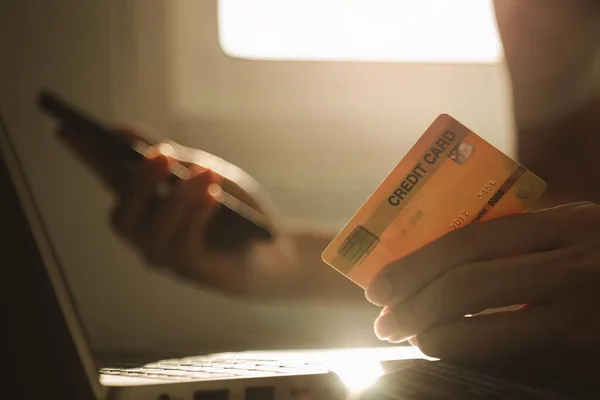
point(358, 245)
point(461, 153)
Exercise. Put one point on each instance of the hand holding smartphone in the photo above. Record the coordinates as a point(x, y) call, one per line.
point(234, 223)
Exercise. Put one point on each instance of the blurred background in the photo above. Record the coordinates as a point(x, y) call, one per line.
point(318, 100)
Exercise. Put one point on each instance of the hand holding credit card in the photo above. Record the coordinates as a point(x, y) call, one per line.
point(450, 178)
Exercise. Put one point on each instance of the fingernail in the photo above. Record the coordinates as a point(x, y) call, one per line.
point(159, 161)
point(379, 291)
point(386, 326)
point(197, 170)
point(152, 153)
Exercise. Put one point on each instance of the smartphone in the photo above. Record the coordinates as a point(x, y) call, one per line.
point(234, 224)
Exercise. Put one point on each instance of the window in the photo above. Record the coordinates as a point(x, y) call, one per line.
point(430, 31)
point(345, 123)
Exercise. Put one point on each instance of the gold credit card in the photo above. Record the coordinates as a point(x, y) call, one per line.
point(450, 178)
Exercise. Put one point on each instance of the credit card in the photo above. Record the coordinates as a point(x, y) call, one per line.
point(449, 179)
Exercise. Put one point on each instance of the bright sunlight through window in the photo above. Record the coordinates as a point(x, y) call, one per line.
point(430, 31)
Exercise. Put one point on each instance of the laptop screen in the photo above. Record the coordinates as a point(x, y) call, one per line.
point(51, 344)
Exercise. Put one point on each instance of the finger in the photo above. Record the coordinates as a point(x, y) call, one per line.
point(136, 201)
point(494, 336)
point(501, 237)
point(189, 243)
point(199, 262)
point(175, 214)
point(475, 287)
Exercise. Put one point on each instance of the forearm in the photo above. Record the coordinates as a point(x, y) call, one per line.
point(295, 262)
point(322, 280)
point(552, 53)
point(565, 153)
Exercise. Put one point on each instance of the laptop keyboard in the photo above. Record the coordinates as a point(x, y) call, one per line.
point(415, 378)
point(196, 368)
point(442, 379)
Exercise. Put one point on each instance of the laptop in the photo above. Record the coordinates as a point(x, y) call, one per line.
point(52, 352)
point(53, 359)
